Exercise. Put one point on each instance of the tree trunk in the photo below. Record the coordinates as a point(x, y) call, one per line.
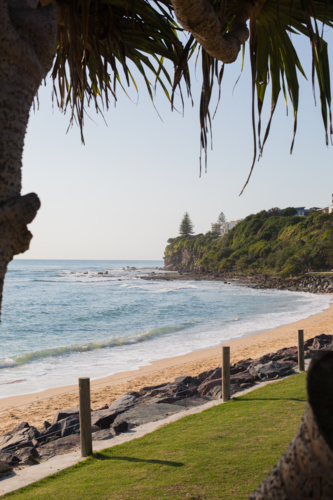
point(305, 471)
point(199, 18)
point(27, 48)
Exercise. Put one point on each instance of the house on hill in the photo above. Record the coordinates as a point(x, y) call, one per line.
point(304, 212)
point(223, 227)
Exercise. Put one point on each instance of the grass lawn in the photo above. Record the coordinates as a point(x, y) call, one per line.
point(221, 453)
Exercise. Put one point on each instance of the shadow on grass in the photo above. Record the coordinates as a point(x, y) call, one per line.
point(270, 399)
point(100, 456)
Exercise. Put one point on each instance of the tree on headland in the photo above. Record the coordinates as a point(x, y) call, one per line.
point(186, 227)
point(221, 218)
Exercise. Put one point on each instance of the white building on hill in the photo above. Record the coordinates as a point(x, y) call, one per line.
point(224, 227)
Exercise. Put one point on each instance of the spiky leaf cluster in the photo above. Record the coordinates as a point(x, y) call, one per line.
point(97, 38)
point(274, 61)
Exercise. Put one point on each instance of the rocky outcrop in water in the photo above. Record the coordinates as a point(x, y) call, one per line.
point(313, 283)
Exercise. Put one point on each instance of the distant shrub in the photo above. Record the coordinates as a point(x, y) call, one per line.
point(288, 212)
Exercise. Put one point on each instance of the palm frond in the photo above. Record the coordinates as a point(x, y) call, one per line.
point(274, 61)
point(98, 37)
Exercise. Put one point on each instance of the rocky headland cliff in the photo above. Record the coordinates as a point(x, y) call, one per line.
point(271, 249)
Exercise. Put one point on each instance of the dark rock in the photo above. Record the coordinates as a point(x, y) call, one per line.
point(242, 378)
point(20, 427)
point(321, 341)
point(293, 359)
point(215, 392)
point(104, 418)
point(60, 415)
point(123, 403)
point(59, 447)
point(103, 434)
point(4, 439)
point(134, 393)
point(187, 380)
point(4, 468)
point(196, 400)
point(247, 385)
point(140, 415)
point(204, 375)
point(170, 400)
point(28, 455)
point(205, 387)
point(143, 391)
point(62, 428)
point(291, 351)
point(16, 441)
point(9, 457)
point(261, 361)
point(289, 361)
point(234, 388)
point(238, 369)
point(270, 370)
point(95, 428)
point(172, 390)
point(46, 425)
point(216, 374)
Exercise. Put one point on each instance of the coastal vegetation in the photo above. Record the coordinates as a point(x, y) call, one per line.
point(272, 242)
point(223, 452)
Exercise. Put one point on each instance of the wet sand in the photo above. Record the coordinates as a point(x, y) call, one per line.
point(35, 408)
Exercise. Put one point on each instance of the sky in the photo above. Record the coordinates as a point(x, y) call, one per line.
point(123, 194)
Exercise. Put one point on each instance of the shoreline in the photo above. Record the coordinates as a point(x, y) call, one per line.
point(38, 407)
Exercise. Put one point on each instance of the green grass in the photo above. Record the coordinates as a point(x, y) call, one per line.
point(223, 452)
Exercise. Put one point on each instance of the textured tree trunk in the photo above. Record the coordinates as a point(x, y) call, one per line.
point(305, 471)
point(199, 18)
point(27, 48)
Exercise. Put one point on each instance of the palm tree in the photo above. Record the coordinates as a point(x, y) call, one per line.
point(87, 38)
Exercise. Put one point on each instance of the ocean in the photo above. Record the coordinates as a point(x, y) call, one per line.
point(67, 319)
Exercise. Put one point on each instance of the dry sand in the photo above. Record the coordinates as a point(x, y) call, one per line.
point(35, 408)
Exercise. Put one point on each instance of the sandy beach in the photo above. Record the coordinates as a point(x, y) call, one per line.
point(36, 408)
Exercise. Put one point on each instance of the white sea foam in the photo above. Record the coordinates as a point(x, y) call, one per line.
point(7, 363)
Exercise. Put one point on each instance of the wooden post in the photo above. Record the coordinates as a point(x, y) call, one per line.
point(225, 373)
point(85, 417)
point(301, 350)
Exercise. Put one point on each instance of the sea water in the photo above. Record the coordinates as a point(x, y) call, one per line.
point(67, 319)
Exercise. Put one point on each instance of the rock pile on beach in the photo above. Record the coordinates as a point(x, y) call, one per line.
point(26, 445)
point(313, 283)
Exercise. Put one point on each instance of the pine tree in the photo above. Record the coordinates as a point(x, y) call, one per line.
point(221, 219)
point(186, 226)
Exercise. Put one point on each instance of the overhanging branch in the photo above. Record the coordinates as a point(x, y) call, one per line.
point(199, 18)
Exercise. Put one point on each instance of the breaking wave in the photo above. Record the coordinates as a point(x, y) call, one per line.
point(29, 357)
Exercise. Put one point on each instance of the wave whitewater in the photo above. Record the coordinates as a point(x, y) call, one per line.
point(29, 357)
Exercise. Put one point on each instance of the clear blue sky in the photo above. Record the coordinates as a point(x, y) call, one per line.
point(123, 194)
